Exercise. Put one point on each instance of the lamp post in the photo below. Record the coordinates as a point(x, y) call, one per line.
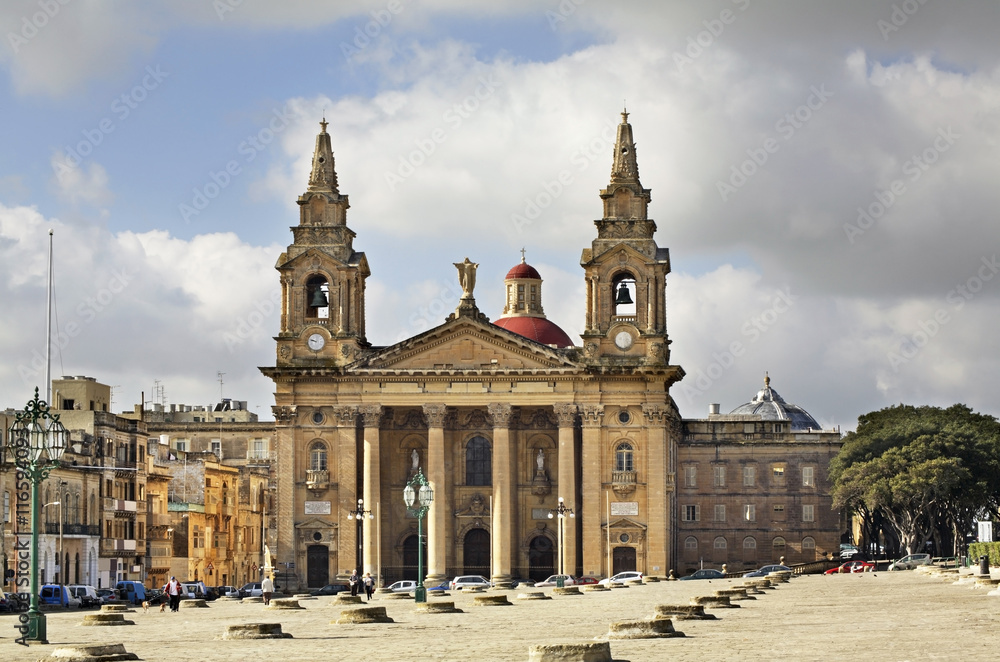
point(359, 514)
point(561, 512)
point(37, 440)
point(418, 497)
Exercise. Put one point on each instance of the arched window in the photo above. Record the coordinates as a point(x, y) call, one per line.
point(623, 457)
point(778, 547)
point(690, 543)
point(720, 542)
point(623, 294)
point(478, 462)
point(317, 298)
point(749, 543)
point(808, 543)
point(317, 456)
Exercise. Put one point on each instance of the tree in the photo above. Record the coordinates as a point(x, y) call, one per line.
point(926, 471)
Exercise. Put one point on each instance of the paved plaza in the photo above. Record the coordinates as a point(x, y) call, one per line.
point(885, 616)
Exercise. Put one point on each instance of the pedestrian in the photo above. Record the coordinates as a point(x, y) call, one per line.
point(266, 589)
point(174, 591)
point(369, 585)
point(355, 582)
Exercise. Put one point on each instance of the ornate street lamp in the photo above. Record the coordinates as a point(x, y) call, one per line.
point(562, 512)
point(36, 441)
point(360, 514)
point(418, 497)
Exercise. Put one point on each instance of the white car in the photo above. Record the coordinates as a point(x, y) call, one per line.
point(403, 586)
point(553, 581)
point(911, 561)
point(86, 594)
point(469, 581)
point(628, 577)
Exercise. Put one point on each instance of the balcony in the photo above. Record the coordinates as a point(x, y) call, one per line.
point(159, 519)
point(623, 482)
point(317, 479)
point(118, 547)
point(121, 507)
point(52, 528)
point(261, 456)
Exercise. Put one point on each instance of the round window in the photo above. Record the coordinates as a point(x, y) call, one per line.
point(624, 537)
point(624, 416)
point(317, 536)
point(317, 417)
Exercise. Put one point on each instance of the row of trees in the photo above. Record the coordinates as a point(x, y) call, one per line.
point(920, 474)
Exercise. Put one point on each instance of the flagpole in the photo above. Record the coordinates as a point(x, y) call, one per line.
point(48, 329)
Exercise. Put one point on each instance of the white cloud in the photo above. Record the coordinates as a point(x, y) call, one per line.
point(83, 183)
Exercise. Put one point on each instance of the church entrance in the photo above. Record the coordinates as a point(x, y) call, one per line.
point(540, 559)
point(410, 557)
point(317, 566)
point(477, 553)
point(623, 559)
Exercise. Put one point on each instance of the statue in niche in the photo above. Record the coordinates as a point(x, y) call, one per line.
point(540, 460)
point(467, 276)
point(414, 461)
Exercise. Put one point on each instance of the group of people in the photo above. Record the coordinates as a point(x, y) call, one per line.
point(366, 583)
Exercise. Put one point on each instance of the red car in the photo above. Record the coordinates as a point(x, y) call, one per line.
point(583, 581)
point(851, 566)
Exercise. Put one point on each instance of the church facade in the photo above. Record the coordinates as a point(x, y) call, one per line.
point(542, 454)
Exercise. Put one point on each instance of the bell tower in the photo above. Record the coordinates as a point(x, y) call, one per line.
point(322, 276)
point(625, 270)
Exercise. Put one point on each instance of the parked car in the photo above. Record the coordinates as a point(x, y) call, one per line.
point(910, 562)
point(332, 589)
point(469, 581)
point(155, 596)
point(86, 594)
point(403, 586)
point(705, 573)
point(107, 595)
point(134, 592)
point(251, 590)
point(851, 566)
point(443, 586)
point(227, 591)
point(10, 603)
point(54, 594)
point(584, 581)
point(627, 577)
point(766, 570)
point(553, 580)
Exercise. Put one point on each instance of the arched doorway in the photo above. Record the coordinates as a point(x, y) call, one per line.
point(410, 557)
point(477, 553)
point(540, 558)
point(623, 559)
point(317, 566)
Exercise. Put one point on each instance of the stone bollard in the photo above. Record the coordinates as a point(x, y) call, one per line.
point(341, 599)
point(986, 582)
point(595, 587)
point(257, 600)
point(735, 593)
point(99, 652)
point(586, 652)
point(650, 629)
point(362, 615)
point(533, 595)
point(498, 600)
point(284, 603)
point(116, 609)
point(683, 612)
point(759, 583)
point(714, 601)
point(438, 608)
point(472, 589)
point(616, 585)
point(395, 596)
point(651, 580)
point(305, 596)
point(105, 619)
point(566, 590)
point(255, 631)
point(751, 589)
point(195, 602)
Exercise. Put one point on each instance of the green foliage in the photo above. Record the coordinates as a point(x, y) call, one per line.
point(990, 549)
point(924, 469)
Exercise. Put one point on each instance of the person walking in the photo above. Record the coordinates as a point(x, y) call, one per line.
point(355, 582)
point(369, 582)
point(174, 591)
point(267, 589)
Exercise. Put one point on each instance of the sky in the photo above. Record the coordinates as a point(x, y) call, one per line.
point(823, 175)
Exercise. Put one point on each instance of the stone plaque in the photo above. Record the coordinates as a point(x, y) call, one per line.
point(317, 507)
point(624, 508)
point(539, 513)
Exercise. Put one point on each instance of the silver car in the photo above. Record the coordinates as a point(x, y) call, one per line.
point(910, 562)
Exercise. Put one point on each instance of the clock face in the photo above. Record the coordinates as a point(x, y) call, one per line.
point(316, 342)
point(623, 340)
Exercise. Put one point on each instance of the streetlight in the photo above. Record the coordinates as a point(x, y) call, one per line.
point(36, 440)
point(560, 511)
point(359, 514)
point(418, 496)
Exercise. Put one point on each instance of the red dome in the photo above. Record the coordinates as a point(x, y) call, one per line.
point(538, 329)
point(523, 270)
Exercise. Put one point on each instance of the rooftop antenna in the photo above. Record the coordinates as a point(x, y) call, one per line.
point(220, 374)
point(111, 405)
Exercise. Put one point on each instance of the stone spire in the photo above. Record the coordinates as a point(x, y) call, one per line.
point(323, 177)
point(625, 168)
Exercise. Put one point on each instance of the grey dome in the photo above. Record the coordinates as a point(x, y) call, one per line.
point(772, 407)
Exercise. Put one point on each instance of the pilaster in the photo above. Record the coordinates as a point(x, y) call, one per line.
point(658, 492)
point(503, 494)
point(372, 488)
point(566, 415)
point(437, 542)
point(593, 498)
point(347, 481)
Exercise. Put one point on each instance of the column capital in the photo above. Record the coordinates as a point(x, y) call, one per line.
point(656, 414)
point(435, 415)
point(283, 414)
point(565, 413)
point(347, 415)
point(371, 414)
point(501, 413)
point(592, 415)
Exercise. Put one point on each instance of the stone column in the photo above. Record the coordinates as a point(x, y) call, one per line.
point(346, 477)
point(287, 511)
point(566, 414)
point(592, 510)
point(372, 475)
point(658, 491)
point(437, 552)
point(504, 484)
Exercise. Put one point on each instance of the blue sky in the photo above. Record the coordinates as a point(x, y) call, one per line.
point(764, 130)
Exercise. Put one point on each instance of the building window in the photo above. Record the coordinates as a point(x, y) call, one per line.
point(808, 513)
point(749, 543)
point(778, 474)
point(216, 448)
point(690, 543)
point(808, 543)
point(720, 512)
point(749, 476)
point(690, 476)
point(719, 475)
point(778, 546)
point(808, 479)
point(478, 462)
point(720, 543)
point(6, 507)
point(749, 512)
point(690, 513)
point(181, 444)
point(317, 456)
point(197, 541)
point(623, 457)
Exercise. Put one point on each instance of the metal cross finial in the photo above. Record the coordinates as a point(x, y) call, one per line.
point(522, 256)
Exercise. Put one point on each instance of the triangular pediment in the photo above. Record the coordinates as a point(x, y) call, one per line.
point(625, 523)
point(316, 257)
point(316, 523)
point(622, 253)
point(468, 345)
